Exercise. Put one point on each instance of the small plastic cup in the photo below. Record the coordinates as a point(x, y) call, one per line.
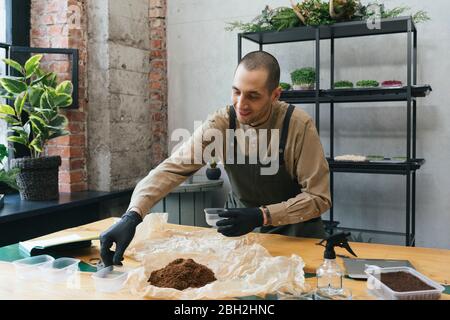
point(212, 216)
point(28, 268)
point(59, 270)
point(110, 279)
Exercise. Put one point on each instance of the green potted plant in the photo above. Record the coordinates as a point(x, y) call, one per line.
point(7, 177)
point(367, 84)
point(213, 173)
point(38, 95)
point(344, 84)
point(285, 86)
point(303, 79)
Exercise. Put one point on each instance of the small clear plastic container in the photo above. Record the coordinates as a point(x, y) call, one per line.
point(59, 270)
point(212, 216)
point(28, 268)
point(382, 291)
point(110, 279)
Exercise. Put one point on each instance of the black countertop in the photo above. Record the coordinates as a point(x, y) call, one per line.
point(15, 208)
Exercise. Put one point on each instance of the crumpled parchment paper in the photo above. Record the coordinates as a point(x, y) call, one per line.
point(241, 265)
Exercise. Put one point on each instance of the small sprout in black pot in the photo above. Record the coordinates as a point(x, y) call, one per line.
point(213, 173)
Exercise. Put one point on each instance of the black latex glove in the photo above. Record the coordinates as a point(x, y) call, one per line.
point(239, 221)
point(121, 233)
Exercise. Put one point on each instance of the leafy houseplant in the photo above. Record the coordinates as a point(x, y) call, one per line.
point(303, 79)
point(36, 94)
point(320, 12)
point(343, 84)
point(213, 173)
point(7, 177)
point(367, 84)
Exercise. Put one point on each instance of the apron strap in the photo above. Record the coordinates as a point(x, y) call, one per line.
point(284, 130)
point(232, 115)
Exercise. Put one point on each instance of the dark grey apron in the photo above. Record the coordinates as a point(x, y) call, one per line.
point(251, 189)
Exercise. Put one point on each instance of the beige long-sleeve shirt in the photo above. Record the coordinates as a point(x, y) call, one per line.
point(304, 159)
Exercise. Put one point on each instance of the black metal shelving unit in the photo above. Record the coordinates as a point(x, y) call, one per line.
point(407, 94)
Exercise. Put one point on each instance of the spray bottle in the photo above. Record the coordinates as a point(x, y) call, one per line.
point(329, 274)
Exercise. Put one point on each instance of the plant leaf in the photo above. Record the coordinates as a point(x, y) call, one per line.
point(50, 80)
point(27, 129)
point(8, 97)
point(6, 109)
point(51, 97)
point(63, 100)
point(45, 103)
point(19, 140)
point(9, 177)
point(20, 131)
point(10, 120)
point(13, 86)
point(65, 87)
point(35, 94)
point(58, 133)
point(59, 121)
point(46, 113)
point(37, 143)
point(37, 127)
point(20, 102)
point(3, 152)
point(40, 78)
point(14, 64)
point(32, 64)
point(38, 124)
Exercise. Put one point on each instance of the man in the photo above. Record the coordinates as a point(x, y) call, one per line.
point(289, 202)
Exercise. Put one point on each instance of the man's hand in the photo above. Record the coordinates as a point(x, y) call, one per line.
point(121, 233)
point(239, 221)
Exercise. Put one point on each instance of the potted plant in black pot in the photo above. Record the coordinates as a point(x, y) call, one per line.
point(303, 79)
point(213, 173)
point(38, 95)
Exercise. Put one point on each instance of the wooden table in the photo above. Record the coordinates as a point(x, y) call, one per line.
point(433, 263)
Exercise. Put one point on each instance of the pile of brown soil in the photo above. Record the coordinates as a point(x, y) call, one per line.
point(403, 282)
point(181, 274)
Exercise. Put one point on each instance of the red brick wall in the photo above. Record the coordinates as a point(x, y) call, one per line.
point(158, 80)
point(52, 25)
point(61, 24)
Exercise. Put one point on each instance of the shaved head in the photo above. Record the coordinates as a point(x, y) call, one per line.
point(261, 60)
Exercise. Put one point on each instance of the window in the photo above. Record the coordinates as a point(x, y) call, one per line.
point(2, 65)
point(2, 21)
point(2, 33)
point(14, 30)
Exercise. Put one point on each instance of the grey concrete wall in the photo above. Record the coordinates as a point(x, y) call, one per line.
point(202, 58)
point(119, 116)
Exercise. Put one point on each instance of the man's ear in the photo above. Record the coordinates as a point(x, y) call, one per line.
point(276, 94)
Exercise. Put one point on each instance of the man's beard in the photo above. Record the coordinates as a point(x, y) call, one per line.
point(257, 118)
